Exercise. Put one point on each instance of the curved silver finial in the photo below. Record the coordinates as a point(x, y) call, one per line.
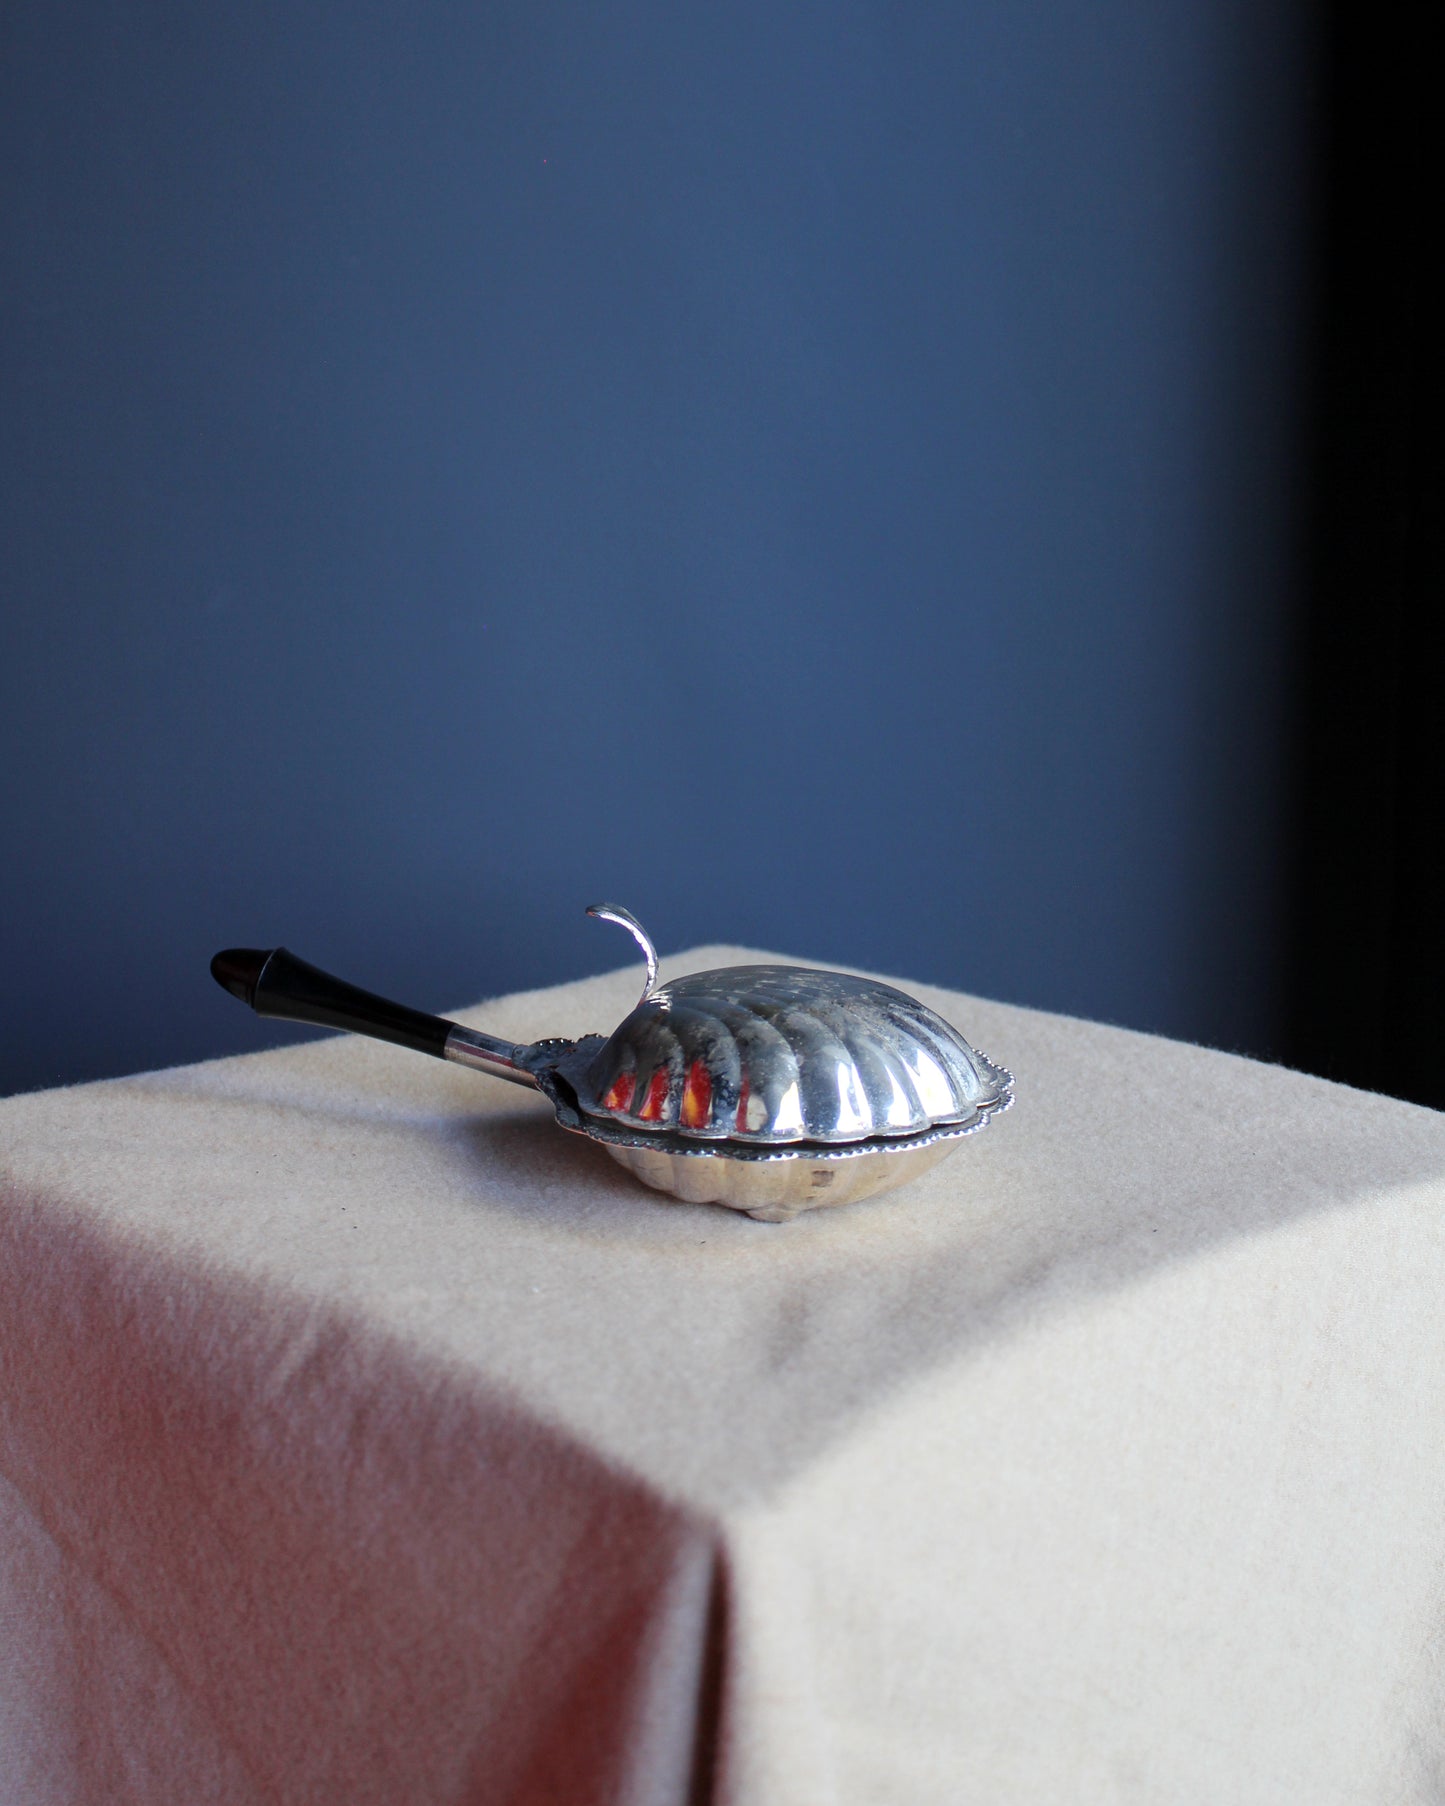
point(624, 918)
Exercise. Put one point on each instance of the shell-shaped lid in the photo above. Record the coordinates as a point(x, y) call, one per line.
point(778, 1054)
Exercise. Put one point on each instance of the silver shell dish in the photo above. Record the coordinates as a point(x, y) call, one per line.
point(771, 1055)
point(770, 1089)
point(773, 1089)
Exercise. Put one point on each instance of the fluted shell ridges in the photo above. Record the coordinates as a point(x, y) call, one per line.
point(782, 1054)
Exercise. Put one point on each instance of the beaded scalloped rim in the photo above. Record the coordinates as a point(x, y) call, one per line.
point(664, 1141)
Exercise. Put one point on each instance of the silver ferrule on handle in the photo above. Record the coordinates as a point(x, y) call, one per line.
point(485, 1053)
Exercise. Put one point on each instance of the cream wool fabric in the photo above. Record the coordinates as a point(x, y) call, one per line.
point(364, 1437)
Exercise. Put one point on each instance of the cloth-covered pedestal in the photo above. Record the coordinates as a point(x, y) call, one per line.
point(365, 1437)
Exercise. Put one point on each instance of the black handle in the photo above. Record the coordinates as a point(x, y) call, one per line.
point(278, 984)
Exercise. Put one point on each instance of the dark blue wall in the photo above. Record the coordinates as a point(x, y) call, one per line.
point(818, 474)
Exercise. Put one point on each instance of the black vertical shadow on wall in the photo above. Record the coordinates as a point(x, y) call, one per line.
point(1367, 981)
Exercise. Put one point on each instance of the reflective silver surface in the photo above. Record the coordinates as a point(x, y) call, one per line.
point(769, 1089)
point(485, 1053)
point(767, 1055)
point(624, 918)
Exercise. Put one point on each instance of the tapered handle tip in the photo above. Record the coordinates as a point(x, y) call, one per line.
point(237, 970)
